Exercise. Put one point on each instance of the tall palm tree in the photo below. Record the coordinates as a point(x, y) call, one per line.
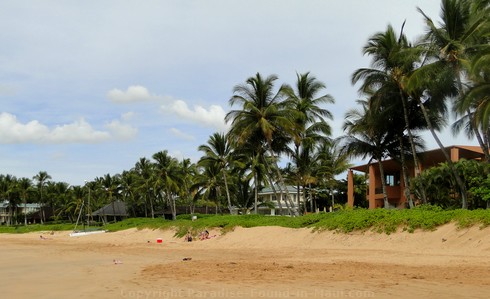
point(449, 47)
point(167, 178)
point(251, 157)
point(7, 190)
point(143, 169)
point(476, 99)
point(310, 119)
point(24, 186)
point(208, 183)
point(42, 177)
point(368, 137)
point(393, 61)
point(189, 171)
point(128, 189)
point(263, 118)
point(331, 162)
point(218, 151)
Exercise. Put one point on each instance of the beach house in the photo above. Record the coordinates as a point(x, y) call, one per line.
point(394, 178)
point(8, 211)
point(272, 201)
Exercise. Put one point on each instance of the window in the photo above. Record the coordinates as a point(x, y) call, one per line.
point(392, 180)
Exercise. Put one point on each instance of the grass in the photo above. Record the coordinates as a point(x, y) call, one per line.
point(378, 220)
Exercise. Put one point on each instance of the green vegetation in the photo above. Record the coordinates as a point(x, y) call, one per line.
point(378, 220)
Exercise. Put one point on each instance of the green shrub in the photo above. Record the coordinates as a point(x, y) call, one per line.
point(424, 217)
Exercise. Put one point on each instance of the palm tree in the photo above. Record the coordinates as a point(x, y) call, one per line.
point(42, 177)
point(263, 120)
point(24, 186)
point(168, 178)
point(252, 158)
point(393, 61)
point(208, 183)
point(7, 188)
point(367, 136)
point(331, 162)
point(112, 186)
point(189, 171)
point(310, 121)
point(476, 100)
point(128, 189)
point(72, 204)
point(448, 47)
point(143, 169)
point(218, 151)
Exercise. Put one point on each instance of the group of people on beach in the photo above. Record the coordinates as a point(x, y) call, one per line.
point(204, 235)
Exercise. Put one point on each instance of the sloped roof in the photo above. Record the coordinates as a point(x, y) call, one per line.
point(430, 158)
point(117, 208)
point(269, 190)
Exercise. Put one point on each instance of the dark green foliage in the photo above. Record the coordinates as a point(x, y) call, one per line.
point(440, 186)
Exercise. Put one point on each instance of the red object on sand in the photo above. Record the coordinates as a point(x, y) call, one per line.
point(159, 240)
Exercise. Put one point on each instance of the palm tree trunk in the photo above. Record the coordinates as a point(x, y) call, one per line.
point(278, 197)
point(416, 168)
point(312, 207)
point(406, 186)
point(297, 196)
point(25, 211)
point(256, 191)
point(482, 144)
point(383, 184)
point(171, 202)
point(282, 183)
point(227, 193)
point(454, 171)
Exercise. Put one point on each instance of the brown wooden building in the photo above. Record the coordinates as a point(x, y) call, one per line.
point(394, 176)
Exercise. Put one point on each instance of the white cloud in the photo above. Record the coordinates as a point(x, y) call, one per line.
point(13, 131)
point(78, 131)
point(134, 93)
point(121, 131)
point(212, 117)
point(178, 133)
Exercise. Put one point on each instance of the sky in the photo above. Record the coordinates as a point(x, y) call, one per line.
point(87, 88)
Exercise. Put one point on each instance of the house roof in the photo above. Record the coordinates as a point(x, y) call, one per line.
point(5, 204)
point(117, 208)
point(429, 158)
point(269, 190)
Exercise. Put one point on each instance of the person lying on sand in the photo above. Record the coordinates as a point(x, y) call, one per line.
point(43, 237)
point(204, 235)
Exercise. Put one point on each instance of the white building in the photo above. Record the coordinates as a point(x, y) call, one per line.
point(269, 204)
point(21, 209)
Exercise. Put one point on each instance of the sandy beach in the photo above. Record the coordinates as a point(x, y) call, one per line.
point(265, 262)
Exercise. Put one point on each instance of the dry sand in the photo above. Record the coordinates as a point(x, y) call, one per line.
point(265, 262)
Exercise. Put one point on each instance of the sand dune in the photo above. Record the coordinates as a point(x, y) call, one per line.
point(264, 262)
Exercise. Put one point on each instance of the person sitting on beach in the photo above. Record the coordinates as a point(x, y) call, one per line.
point(204, 235)
point(188, 237)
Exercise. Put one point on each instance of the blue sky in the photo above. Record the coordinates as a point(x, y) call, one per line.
point(89, 87)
